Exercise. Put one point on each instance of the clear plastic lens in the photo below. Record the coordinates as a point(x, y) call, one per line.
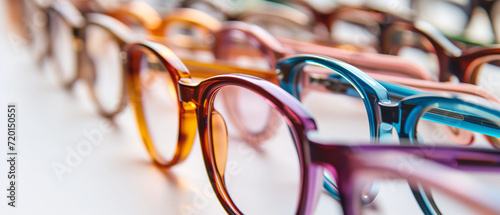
point(427, 59)
point(190, 41)
point(416, 48)
point(488, 76)
point(346, 32)
point(244, 51)
point(450, 205)
point(241, 51)
point(239, 102)
point(107, 82)
point(263, 178)
point(442, 13)
point(160, 105)
point(337, 107)
point(280, 27)
point(63, 47)
point(396, 196)
point(431, 133)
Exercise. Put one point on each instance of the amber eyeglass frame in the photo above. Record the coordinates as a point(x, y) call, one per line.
point(192, 101)
point(195, 102)
point(188, 110)
point(78, 15)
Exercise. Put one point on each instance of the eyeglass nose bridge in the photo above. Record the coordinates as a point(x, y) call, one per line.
point(389, 112)
point(187, 91)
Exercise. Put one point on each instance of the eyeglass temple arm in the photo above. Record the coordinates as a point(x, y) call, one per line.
point(367, 62)
point(335, 83)
point(467, 159)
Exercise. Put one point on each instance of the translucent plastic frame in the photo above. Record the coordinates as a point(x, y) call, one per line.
point(404, 115)
point(453, 61)
point(196, 100)
point(454, 58)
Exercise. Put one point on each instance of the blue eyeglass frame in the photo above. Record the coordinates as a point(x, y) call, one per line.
point(480, 117)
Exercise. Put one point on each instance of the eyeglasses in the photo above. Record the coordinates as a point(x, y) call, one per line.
point(409, 118)
point(423, 43)
point(40, 24)
point(271, 51)
point(375, 96)
point(334, 83)
point(274, 49)
point(475, 65)
point(80, 49)
point(284, 172)
point(24, 28)
point(206, 70)
point(106, 81)
point(462, 13)
point(111, 27)
point(254, 135)
point(190, 32)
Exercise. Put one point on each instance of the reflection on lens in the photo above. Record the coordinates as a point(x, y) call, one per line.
point(263, 179)
point(280, 27)
point(63, 49)
point(160, 105)
point(104, 52)
point(337, 107)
